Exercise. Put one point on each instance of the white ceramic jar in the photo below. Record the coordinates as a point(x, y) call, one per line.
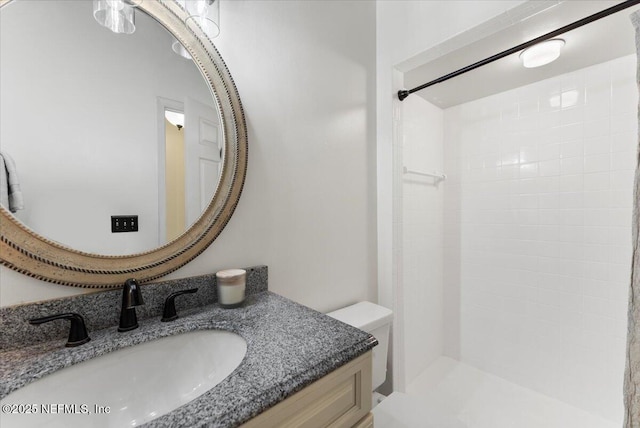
point(231, 287)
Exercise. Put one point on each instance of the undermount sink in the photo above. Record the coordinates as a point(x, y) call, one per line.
point(137, 384)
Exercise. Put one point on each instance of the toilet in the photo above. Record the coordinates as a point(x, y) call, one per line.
point(376, 320)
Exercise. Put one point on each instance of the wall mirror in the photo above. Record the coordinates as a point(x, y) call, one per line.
point(88, 117)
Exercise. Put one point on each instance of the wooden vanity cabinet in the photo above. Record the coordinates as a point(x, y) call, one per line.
point(341, 399)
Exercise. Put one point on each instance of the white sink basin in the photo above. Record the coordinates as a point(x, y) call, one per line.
point(137, 384)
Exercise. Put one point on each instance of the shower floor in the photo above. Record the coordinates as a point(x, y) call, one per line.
point(451, 394)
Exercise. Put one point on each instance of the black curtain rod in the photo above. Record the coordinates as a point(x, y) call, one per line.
point(404, 93)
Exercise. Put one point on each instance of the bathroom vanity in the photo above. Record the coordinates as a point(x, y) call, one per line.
point(301, 367)
point(340, 399)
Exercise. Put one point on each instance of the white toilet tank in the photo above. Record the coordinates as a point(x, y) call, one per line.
point(373, 319)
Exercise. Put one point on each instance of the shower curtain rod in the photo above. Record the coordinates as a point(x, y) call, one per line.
point(404, 93)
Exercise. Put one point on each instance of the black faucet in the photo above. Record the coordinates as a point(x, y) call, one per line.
point(131, 297)
point(77, 333)
point(169, 313)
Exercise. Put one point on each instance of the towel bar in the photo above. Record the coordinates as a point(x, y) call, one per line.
point(437, 176)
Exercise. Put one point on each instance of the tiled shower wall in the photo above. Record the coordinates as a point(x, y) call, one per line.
point(537, 243)
point(422, 232)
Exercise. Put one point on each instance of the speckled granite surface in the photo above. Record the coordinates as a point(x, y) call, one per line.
point(102, 309)
point(289, 346)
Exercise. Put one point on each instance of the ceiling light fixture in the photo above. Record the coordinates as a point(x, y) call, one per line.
point(541, 54)
point(175, 118)
point(177, 47)
point(206, 13)
point(117, 15)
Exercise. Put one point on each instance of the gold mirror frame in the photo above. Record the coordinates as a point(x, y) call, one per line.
point(27, 252)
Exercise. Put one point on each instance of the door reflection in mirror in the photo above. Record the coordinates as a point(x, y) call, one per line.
point(174, 174)
point(192, 166)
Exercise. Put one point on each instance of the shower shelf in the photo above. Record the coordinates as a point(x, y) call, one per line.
point(438, 177)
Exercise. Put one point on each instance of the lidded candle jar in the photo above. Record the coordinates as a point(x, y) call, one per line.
point(231, 287)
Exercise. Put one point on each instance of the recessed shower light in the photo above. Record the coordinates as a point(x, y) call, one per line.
point(542, 53)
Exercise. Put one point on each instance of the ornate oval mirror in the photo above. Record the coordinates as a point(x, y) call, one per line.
point(88, 120)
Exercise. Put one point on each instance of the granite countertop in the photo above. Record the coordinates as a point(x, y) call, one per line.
point(289, 346)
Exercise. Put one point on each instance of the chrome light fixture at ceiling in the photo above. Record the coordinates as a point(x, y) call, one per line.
point(206, 13)
point(116, 15)
point(119, 17)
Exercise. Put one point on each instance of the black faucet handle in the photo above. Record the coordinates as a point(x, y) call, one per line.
point(131, 297)
point(169, 312)
point(131, 294)
point(77, 333)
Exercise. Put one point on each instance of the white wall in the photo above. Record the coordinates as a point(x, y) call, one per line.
point(538, 232)
point(421, 243)
point(80, 117)
point(405, 29)
point(305, 71)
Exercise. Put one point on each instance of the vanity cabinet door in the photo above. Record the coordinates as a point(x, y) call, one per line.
point(342, 399)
